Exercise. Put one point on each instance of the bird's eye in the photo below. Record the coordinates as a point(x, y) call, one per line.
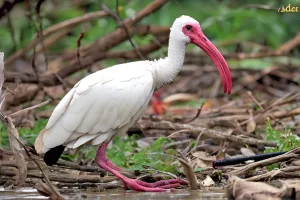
point(188, 27)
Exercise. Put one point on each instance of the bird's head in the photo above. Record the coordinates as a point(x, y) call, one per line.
point(186, 29)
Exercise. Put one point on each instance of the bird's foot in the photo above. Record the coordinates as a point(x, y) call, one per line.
point(159, 186)
point(134, 184)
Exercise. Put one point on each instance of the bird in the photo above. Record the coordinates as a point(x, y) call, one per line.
point(108, 102)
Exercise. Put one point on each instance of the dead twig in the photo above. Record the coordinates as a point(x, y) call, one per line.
point(30, 108)
point(54, 29)
point(7, 6)
point(16, 149)
point(206, 132)
point(195, 117)
point(189, 173)
point(40, 29)
point(78, 46)
point(120, 23)
point(275, 173)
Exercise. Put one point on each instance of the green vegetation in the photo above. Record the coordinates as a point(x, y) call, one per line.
point(125, 152)
point(285, 139)
point(27, 135)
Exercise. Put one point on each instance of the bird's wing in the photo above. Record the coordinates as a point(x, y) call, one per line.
point(100, 103)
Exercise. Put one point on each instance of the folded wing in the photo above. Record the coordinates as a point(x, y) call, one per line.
point(97, 107)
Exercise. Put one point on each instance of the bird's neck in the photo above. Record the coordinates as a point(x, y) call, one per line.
point(167, 68)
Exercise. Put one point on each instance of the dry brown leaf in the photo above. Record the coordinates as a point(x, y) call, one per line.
point(202, 164)
point(204, 156)
point(55, 92)
point(22, 67)
point(39, 97)
point(203, 160)
point(179, 97)
point(24, 92)
point(245, 190)
point(247, 152)
point(43, 114)
point(251, 126)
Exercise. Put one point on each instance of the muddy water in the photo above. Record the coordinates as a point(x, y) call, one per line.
point(30, 193)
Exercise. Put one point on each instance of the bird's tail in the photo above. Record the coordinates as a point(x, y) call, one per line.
point(52, 155)
point(38, 144)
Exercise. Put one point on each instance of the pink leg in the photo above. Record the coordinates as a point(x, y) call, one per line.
point(134, 184)
point(110, 164)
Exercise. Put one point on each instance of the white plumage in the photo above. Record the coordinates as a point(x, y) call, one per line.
point(101, 105)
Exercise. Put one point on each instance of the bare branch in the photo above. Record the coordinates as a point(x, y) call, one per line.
point(7, 6)
point(29, 108)
point(55, 28)
point(78, 46)
point(121, 24)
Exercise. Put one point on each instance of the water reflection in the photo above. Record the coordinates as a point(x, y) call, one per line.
point(30, 193)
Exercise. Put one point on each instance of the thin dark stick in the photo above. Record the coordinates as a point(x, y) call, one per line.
point(179, 7)
point(30, 108)
point(11, 29)
point(235, 161)
point(196, 116)
point(120, 23)
point(28, 6)
point(40, 30)
point(78, 46)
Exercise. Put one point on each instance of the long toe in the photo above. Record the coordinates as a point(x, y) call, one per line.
point(163, 183)
point(159, 186)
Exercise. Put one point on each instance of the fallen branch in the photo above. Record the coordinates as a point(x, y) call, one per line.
point(49, 80)
point(7, 6)
point(120, 23)
point(62, 177)
point(147, 124)
point(280, 173)
point(55, 28)
point(16, 149)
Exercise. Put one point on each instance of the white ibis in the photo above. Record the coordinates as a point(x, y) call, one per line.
point(107, 103)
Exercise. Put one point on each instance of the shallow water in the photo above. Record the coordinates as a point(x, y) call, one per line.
point(31, 193)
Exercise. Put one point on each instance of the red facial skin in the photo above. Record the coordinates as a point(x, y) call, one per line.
point(194, 32)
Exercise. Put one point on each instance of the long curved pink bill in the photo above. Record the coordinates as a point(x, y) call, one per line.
point(217, 59)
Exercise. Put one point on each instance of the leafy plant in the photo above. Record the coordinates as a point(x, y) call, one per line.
point(286, 141)
point(26, 134)
point(127, 154)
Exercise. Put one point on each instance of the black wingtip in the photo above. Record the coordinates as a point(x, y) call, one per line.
point(51, 157)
